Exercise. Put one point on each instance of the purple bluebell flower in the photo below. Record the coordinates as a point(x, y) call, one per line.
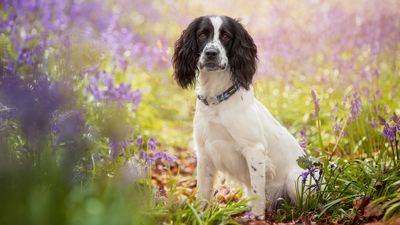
point(313, 171)
point(396, 121)
point(139, 140)
point(345, 100)
point(123, 63)
point(303, 138)
point(151, 143)
point(97, 156)
point(334, 109)
point(170, 158)
point(93, 89)
point(374, 123)
point(111, 93)
point(355, 108)
point(248, 215)
point(389, 132)
point(115, 147)
point(338, 128)
point(157, 156)
point(304, 176)
point(143, 155)
point(335, 166)
point(316, 174)
point(108, 81)
point(215, 192)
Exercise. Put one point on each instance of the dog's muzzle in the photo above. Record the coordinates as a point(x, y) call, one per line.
point(212, 60)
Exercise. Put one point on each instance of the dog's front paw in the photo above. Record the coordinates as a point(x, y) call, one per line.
point(259, 217)
point(248, 216)
point(258, 213)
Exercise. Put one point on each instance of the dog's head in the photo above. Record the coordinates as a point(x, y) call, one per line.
point(214, 43)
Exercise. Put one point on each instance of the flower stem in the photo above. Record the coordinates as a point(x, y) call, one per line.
point(339, 138)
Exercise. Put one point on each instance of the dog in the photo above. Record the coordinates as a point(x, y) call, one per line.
point(233, 132)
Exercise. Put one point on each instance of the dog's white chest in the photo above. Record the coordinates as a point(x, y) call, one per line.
point(219, 146)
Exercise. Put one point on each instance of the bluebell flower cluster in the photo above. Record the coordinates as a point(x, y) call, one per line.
point(390, 132)
point(68, 126)
point(151, 143)
point(116, 145)
point(316, 174)
point(313, 176)
point(34, 102)
point(303, 138)
point(355, 107)
point(103, 88)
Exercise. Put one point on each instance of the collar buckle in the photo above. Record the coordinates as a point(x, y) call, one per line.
point(213, 100)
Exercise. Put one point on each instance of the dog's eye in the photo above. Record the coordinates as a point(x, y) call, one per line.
point(225, 37)
point(202, 36)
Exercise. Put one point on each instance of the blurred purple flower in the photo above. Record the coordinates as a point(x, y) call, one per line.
point(247, 215)
point(97, 156)
point(312, 168)
point(108, 81)
point(355, 108)
point(345, 100)
point(389, 132)
point(156, 156)
point(304, 176)
point(68, 126)
point(111, 93)
point(67, 42)
point(374, 123)
point(34, 100)
point(335, 166)
point(163, 156)
point(93, 89)
point(139, 140)
point(151, 143)
point(316, 103)
point(115, 147)
point(143, 155)
point(334, 109)
point(338, 128)
point(303, 138)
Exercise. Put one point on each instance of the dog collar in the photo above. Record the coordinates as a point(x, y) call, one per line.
point(215, 100)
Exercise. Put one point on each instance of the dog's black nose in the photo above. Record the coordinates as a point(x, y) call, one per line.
point(211, 53)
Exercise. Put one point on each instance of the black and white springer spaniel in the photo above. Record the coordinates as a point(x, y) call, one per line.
point(233, 132)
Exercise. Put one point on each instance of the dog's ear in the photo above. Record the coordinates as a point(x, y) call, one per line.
point(243, 57)
point(186, 56)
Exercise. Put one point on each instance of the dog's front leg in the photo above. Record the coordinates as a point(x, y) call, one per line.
point(205, 177)
point(256, 162)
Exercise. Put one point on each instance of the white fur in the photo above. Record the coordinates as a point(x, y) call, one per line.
point(241, 138)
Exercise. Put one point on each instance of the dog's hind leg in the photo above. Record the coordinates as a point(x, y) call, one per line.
point(292, 184)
